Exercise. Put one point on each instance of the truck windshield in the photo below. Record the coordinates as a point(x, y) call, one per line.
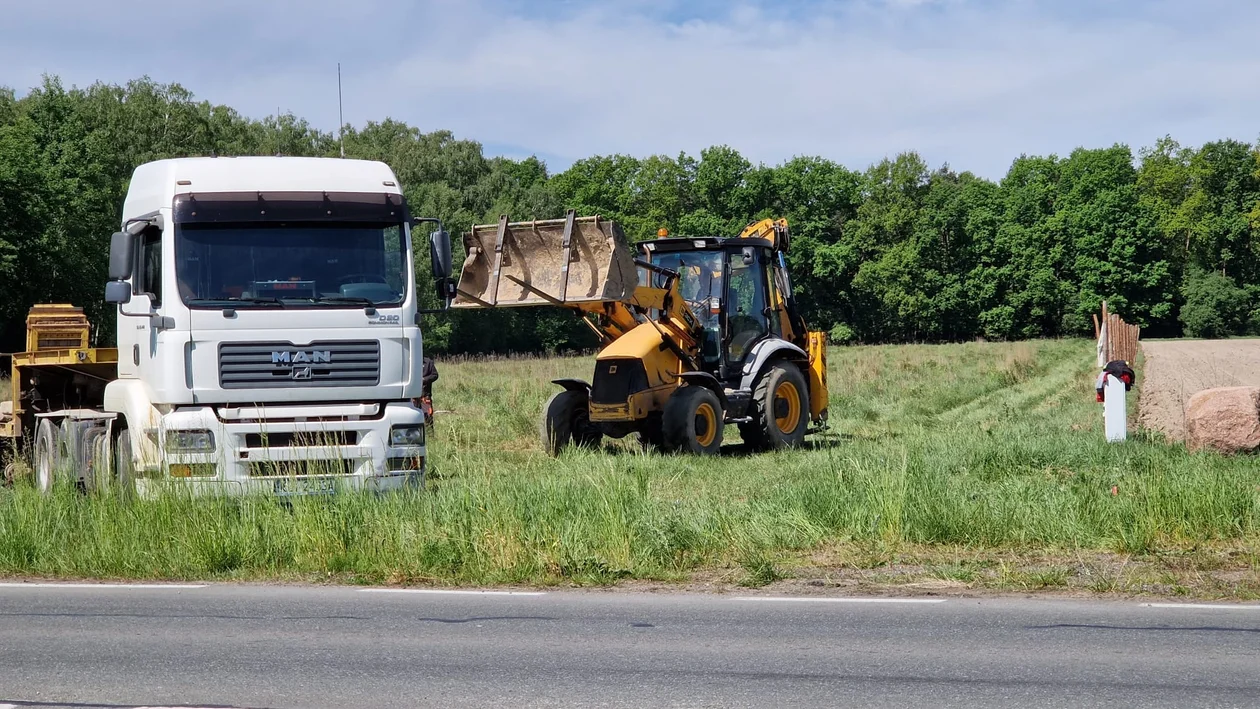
point(291, 264)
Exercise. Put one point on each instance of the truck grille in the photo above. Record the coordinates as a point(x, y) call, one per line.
point(301, 468)
point(282, 365)
point(314, 439)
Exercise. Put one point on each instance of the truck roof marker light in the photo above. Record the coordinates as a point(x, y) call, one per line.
point(183, 182)
point(389, 183)
point(662, 233)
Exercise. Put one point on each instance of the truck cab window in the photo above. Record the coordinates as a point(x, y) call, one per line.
point(151, 265)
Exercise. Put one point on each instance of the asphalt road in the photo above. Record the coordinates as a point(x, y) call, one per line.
point(258, 646)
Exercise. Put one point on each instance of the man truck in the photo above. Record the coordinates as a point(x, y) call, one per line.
point(268, 336)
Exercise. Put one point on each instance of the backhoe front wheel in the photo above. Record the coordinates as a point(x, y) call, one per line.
point(693, 421)
point(566, 420)
point(780, 409)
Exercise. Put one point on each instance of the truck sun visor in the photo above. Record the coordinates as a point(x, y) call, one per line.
point(210, 207)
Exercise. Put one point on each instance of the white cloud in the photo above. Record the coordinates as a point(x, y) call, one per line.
point(970, 82)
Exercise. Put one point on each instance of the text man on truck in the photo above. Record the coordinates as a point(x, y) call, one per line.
point(268, 335)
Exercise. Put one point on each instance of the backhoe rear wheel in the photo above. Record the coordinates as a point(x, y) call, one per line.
point(780, 409)
point(566, 420)
point(693, 421)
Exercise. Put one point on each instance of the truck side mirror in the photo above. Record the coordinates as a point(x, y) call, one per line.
point(117, 292)
point(122, 256)
point(440, 253)
point(748, 256)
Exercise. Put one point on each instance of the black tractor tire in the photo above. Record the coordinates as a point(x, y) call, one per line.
point(780, 409)
point(566, 421)
point(693, 421)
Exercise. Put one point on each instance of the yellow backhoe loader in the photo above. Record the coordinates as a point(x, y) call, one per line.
point(697, 332)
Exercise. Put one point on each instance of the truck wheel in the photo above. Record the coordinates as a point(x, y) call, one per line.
point(566, 420)
point(780, 409)
point(693, 421)
point(124, 464)
point(45, 455)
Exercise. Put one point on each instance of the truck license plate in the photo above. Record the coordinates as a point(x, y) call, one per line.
point(305, 486)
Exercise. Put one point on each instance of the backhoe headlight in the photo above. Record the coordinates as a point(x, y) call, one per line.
point(189, 441)
point(400, 436)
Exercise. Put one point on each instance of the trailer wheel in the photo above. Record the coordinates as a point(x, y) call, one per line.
point(566, 420)
point(45, 455)
point(780, 409)
point(693, 421)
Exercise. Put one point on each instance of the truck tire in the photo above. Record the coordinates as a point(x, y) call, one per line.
point(780, 409)
point(123, 463)
point(45, 455)
point(565, 421)
point(693, 421)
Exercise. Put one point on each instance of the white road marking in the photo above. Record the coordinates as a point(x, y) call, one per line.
point(1207, 606)
point(101, 585)
point(452, 592)
point(809, 599)
point(24, 706)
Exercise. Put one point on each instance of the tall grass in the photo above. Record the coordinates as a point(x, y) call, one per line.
point(986, 446)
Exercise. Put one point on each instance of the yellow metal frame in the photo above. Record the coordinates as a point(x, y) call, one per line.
point(818, 393)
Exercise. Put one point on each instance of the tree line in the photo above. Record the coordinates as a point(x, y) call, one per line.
point(898, 252)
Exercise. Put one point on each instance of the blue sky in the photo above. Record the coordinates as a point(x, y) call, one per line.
point(970, 82)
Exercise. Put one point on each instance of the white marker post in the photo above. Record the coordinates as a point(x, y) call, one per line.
point(1115, 411)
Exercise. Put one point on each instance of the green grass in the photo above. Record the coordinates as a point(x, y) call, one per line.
point(940, 459)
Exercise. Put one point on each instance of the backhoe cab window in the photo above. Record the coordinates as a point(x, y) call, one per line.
point(746, 306)
point(700, 283)
point(318, 265)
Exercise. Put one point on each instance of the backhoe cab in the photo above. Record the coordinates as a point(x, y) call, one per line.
point(697, 333)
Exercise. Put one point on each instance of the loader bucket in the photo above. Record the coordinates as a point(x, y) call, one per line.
point(553, 262)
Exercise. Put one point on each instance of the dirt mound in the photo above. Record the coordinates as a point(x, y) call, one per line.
point(1174, 370)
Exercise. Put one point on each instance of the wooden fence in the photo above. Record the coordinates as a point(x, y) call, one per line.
point(1116, 338)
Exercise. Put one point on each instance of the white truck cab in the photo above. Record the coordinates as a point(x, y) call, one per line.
point(268, 328)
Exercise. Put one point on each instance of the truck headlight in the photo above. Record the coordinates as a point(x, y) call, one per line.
point(190, 441)
point(400, 436)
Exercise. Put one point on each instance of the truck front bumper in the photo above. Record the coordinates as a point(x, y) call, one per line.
point(295, 456)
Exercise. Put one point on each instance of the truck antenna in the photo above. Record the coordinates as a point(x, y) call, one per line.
point(341, 120)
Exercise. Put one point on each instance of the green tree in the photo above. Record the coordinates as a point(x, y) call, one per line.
point(1215, 306)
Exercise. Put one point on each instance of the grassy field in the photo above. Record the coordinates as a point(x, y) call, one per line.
point(948, 467)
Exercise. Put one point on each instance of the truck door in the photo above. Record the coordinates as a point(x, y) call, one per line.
point(137, 339)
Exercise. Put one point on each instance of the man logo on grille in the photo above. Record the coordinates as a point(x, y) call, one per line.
point(301, 373)
point(300, 357)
